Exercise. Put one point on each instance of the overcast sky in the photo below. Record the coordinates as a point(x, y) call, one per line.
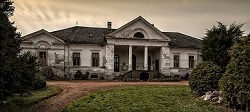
point(191, 17)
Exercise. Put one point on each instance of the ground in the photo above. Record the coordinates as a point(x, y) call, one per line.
point(73, 90)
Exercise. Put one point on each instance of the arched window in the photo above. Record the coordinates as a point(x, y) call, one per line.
point(138, 35)
point(116, 63)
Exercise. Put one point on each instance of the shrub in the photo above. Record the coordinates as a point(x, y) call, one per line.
point(39, 83)
point(78, 74)
point(205, 77)
point(235, 83)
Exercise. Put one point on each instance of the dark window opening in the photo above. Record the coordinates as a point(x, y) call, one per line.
point(138, 35)
point(94, 76)
point(95, 59)
point(116, 63)
point(176, 61)
point(191, 61)
point(76, 59)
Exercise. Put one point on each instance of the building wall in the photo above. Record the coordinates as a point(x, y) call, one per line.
point(184, 54)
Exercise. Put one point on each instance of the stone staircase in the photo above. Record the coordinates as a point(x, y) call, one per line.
point(139, 74)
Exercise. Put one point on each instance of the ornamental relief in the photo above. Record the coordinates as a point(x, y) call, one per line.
point(126, 33)
point(42, 45)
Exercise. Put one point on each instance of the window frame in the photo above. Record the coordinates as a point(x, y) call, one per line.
point(176, 61)
point(76, 58)
point(191, 62)
point(95, 60)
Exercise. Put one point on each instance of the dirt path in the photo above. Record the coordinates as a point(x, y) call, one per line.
point(72, 90)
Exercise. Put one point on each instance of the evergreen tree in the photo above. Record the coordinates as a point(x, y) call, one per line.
point(17, 73)
point(235, 83)
point(217, 42)
point(9, 48)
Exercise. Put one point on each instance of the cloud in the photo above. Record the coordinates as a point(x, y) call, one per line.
point(191, 17)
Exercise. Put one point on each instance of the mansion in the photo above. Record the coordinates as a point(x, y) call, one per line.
point(106, 52)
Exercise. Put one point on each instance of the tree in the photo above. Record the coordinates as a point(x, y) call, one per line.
point(17, 71)
point(9, 48)
point(217, 41)
point(235, 83)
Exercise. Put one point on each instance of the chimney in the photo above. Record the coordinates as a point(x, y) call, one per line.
point(109, 24)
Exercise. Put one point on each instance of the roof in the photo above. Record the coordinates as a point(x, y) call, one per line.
point(93, 35)
point(41, 32)
point(83, 35)
point(144, 21)
point(180, 40)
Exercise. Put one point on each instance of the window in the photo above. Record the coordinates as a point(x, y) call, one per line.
point(95, 59)
point(116, 63)
point(138, 35)
point(176, 61)
point(42, 58)
point(191, 61)
point(76, 59)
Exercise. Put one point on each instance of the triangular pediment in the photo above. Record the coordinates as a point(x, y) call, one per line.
point(41, 35)
point(142, 26)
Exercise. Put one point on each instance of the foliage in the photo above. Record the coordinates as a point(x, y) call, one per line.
point(217, 41)
point(17, 103)
point(235, 83)
point(142, 99)
point(47, 73)
point(80, 75)
point(205, 77)
point(39, 83)
point(9, 48)
point(24, 71)
point(17, 71)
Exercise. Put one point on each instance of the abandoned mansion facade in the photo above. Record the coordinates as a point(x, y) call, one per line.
point(106, 52)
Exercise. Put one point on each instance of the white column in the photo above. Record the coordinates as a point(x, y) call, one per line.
point(130, 58)
point(146, 58)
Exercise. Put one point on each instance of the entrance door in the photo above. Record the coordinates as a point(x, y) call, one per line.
point(149, 63)
point(133, 62)
point(116, 63)
point(43, 58)
point(157, 65)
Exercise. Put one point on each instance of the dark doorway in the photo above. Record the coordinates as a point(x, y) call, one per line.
point(157, 65)
point(144, 76)
point(133, 62)
point(116, 63)
point(43, 58)
point(149, 63)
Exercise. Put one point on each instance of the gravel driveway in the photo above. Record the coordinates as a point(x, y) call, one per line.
point(72, 90)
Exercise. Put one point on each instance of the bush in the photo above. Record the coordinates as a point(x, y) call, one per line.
point(79, 75)
point(205, 77)
point(39, 83)
point(235, 83)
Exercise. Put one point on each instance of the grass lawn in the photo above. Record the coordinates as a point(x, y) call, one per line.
point(142, 99)
point(23, 103)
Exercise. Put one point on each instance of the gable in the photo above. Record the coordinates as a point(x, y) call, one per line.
point(143, 27)
point(41, 36)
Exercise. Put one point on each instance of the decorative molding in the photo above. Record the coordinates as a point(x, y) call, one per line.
point(76, 49)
